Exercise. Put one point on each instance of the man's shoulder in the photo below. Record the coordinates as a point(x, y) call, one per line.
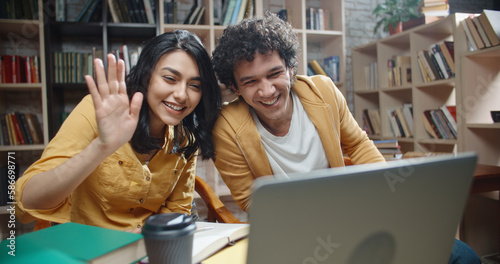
point(233, 114)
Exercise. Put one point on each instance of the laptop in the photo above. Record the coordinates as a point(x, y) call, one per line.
point(405, 211)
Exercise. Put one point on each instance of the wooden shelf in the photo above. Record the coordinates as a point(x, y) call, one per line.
point(422, 95)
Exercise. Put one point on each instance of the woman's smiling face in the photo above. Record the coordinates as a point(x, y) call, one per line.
point(174, 89)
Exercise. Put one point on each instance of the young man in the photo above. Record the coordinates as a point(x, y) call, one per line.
point(282, 123)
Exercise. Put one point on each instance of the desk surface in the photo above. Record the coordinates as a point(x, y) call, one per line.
point(486, 179)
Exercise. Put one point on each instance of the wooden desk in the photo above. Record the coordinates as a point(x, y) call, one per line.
point(486, 179)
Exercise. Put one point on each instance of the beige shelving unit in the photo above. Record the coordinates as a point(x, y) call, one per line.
point(423, 95)
point(315, 44)
point(479, 94)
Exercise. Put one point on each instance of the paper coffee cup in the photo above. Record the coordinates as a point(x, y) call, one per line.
point(169, 238)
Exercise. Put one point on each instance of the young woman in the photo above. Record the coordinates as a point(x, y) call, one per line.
point(129, 149)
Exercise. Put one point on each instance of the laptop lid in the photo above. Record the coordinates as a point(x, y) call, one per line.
point(404, 211)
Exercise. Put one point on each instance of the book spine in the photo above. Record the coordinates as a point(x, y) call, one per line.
point(317, 67)
point(430, 119)
point(17, 128)
point(439, 124)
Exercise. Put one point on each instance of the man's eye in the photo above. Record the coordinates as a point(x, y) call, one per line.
point(248, 82)
point(275, 74)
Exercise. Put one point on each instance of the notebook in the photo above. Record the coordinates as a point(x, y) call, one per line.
point(405, 211)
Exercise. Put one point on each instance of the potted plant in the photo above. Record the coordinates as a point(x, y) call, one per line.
point(393, 13)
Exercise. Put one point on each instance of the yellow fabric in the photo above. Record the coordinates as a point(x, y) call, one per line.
point(122, 191)
point(240, 156)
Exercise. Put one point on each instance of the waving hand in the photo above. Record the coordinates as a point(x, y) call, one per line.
point(116, 117)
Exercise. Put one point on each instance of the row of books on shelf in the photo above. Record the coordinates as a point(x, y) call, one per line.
point(19, 69)
point(483, 30)
point(233, 11)
point(389, 148)
point(71, 67)
point(132, 11)
point(20, 129)
point(371, 122)
point(194, 16)
point(329, 67)
point(401, 120)
point(25, 9)
point(121, 11)
point(437, 62)
point(225, 12)
point(319, 19)
point(441, 123)
point(399, 71)
point(371, 76)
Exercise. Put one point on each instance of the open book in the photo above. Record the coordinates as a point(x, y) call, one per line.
point(212, 237)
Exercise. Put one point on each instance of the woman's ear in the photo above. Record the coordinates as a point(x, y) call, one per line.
point(235, 90)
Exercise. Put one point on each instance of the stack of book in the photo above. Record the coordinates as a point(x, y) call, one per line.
point(437, 62)
point(441, 123)
point(436, 8)
point(430, 11)
point(482, 31)
point(401, 120)
point(20, 129)
point(329, 68)
point(390, 149)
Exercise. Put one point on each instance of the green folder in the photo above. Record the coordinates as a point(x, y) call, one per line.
point(74, 243)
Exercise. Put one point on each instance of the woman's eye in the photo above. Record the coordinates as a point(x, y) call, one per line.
point(196, 85)
point(169, 78)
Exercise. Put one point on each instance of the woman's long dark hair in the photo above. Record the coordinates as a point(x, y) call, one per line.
point(195, 130)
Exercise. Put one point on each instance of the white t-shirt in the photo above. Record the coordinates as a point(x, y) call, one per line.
point(300, 150)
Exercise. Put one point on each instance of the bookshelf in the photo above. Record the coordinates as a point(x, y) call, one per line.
point(479, 95)
point(422, 94)
point(315, 44)
point(23, 37)
point(65, 36)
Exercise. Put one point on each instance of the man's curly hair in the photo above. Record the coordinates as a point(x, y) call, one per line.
point(243, 40)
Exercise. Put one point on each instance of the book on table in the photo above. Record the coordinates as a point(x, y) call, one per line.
point(74, 243)
point(212, 237)
point(78, 243)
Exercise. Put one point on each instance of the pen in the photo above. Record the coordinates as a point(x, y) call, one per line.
point(203, 228)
